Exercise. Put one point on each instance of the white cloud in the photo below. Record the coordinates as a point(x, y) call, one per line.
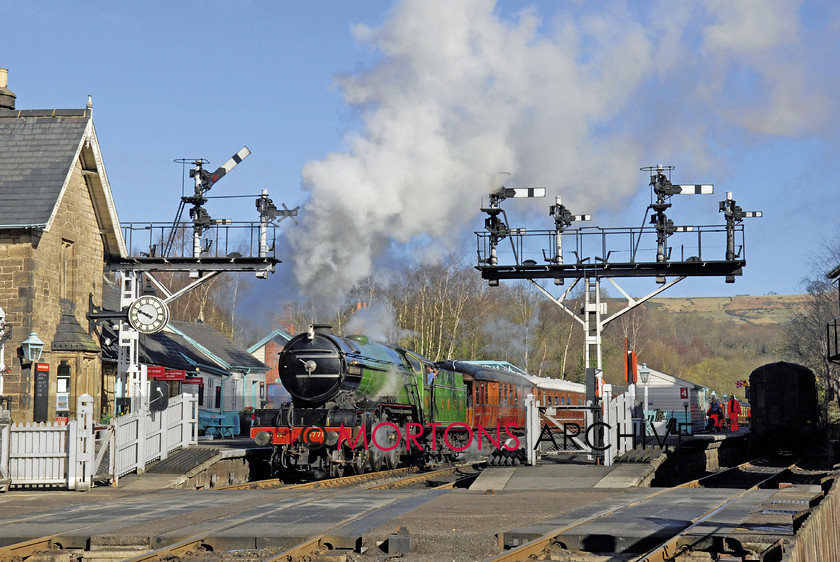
point(576, 104)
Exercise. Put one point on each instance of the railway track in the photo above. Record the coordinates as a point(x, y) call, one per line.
point(682, 532)
point(196, 545)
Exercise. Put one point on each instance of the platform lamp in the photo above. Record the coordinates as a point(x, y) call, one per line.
point(644, 376)
point(32, 348)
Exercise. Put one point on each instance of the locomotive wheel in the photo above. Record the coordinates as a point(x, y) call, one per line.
point(336, 470)
point(360, 462)
point(376, 458)
point(336, 463)
point(392, 459)
point(383, 437)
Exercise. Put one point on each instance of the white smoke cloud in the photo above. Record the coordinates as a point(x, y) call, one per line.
point(576, 100)
point(378, 322)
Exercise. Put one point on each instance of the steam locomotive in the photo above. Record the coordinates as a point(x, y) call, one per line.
point(360, 405)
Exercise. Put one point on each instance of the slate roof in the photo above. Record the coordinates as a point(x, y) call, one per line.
point(69, 334)
point(38, 151)
point(164, 348)
point(216, 345)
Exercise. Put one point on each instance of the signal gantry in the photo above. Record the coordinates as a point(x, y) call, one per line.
point(616, 253)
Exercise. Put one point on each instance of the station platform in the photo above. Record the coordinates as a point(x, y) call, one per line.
point(699, 453)
point(202, 465)
point(575, 471)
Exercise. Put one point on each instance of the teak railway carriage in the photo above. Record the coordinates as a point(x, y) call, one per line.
point(497, 395)
point(367, 405)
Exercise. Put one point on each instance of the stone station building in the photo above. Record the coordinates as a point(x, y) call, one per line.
point(58, 222)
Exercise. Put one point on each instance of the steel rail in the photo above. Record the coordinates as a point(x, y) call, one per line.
point(21, 550)
point(309, 546)
point(698, 483)
point(409, 480)
point(328, 483)
point(671, 547)
point(24, 549)
point(336, 482)
point(195, 541)
point(538, 545)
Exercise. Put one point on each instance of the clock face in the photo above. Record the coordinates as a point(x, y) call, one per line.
point(148, 314)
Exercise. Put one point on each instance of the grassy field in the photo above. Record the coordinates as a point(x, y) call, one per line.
point(758, 310)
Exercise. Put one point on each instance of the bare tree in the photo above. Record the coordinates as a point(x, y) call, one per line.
point(806, 341)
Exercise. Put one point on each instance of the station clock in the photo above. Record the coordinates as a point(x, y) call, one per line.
point(148, 314)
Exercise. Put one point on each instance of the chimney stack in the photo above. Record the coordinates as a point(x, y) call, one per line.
point(7, 97)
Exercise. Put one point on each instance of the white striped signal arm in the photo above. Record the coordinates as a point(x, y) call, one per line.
point(229, 165)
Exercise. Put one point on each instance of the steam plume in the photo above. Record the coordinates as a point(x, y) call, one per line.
point(576, 102)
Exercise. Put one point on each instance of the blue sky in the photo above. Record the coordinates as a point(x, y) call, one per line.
point(388, 121)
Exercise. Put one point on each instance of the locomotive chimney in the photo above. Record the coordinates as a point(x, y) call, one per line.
point(7, 97)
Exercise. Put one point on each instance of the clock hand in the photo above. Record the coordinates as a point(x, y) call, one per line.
point(146, 314)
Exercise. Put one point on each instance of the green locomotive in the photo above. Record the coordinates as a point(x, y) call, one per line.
point(361, 405)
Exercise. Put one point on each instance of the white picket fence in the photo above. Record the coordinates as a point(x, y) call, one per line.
point(74, 455)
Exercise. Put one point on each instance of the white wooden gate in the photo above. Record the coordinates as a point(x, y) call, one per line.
point(614, 425)
point(72, 455)
point(141, 438)
point(618, 417)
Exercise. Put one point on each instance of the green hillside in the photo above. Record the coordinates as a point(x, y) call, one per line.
point(764, 310)
point(713, 341)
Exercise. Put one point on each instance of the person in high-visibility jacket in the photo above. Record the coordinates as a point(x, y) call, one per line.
point(715, 414)
point(734, 408)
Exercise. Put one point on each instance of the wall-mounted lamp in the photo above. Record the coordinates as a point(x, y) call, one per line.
point(32, 348)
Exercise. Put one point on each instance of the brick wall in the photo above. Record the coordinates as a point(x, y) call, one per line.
point(272, 349)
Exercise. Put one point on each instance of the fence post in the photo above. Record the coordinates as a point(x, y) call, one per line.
point(85, 442)
point(5, 438)
point(194, 417)
point(141, 441)
point(609, 438)
point(72, 450)
point(532, 425)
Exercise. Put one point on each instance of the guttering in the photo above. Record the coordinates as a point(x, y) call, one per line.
point(24, 226)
